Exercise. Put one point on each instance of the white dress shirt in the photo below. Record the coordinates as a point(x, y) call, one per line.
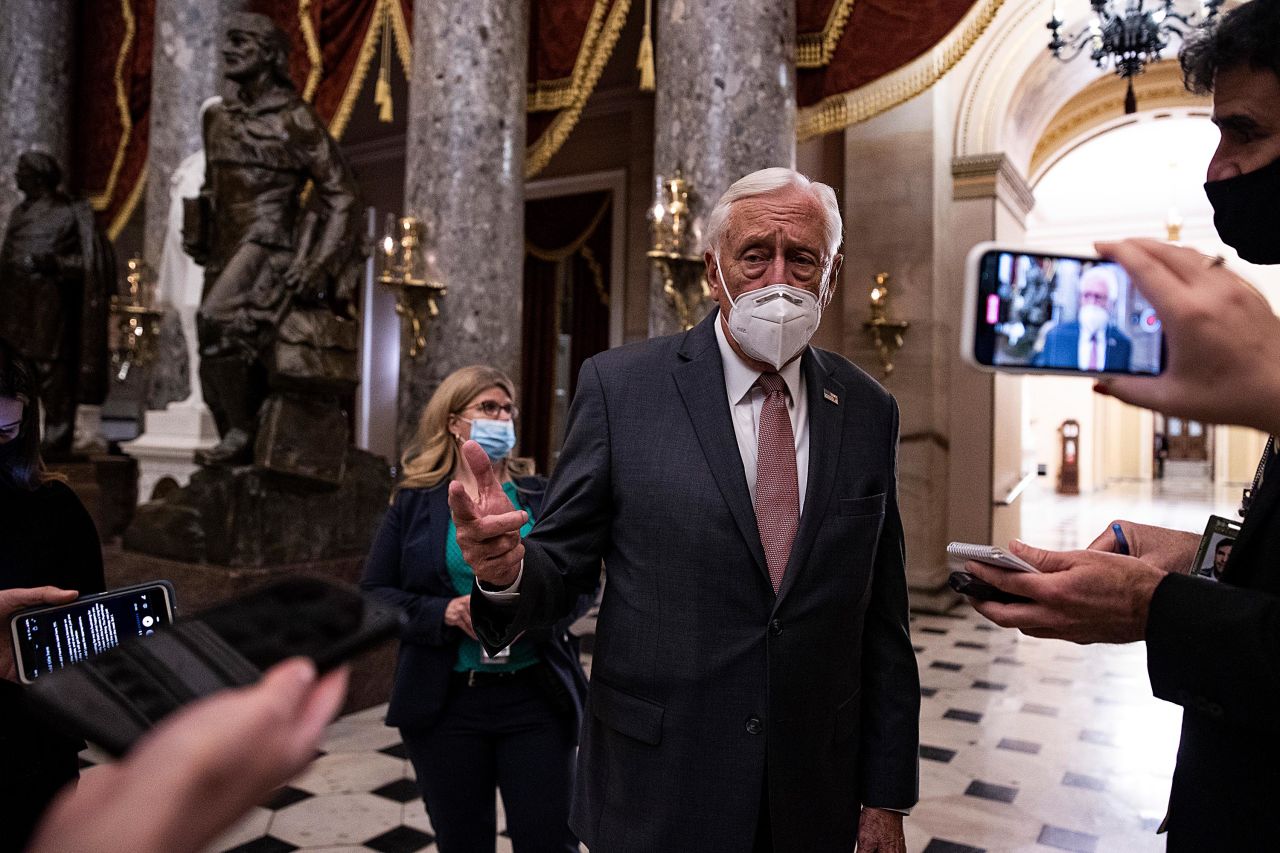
point(1091, 344)
point(745, 403)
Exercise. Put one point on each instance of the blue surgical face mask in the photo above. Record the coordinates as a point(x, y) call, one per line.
point(496, 437)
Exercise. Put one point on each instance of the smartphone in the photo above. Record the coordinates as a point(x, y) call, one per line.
point(991, 555)
point(974, 587)
point(48, 638)
point(114, 698)
point(1033, 311)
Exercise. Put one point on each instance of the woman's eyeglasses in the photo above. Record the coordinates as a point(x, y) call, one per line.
point(490, 409)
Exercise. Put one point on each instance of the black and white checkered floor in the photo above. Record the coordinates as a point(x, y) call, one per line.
point(1026, 744)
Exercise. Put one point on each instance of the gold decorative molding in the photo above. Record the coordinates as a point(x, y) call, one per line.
point(991, 176)
point(551, 95)
point(372, 41)
point(537, 156)
point(814, 50)
point(100, 201)
point(840, 111)
point(1102, 102)
point(314, 56)
point(125, 213)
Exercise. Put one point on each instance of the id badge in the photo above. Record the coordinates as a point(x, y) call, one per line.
point(1215, 548)
point(502, 656)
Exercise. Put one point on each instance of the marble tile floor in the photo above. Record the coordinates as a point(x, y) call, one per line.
point(1026, 744)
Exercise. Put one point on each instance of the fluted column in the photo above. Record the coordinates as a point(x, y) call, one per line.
point(37, 39)
point(464, 177)
point(725, 102)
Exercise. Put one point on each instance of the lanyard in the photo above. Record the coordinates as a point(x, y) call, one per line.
point(1246, 499)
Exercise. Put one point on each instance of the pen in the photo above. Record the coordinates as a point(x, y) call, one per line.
point(1122, 544)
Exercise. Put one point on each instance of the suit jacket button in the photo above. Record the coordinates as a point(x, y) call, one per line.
point(754, 725)
point(775, 628)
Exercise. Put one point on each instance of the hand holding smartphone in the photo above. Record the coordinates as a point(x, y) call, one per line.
point(1033, 311)
point(113, 698)
point(48, 638)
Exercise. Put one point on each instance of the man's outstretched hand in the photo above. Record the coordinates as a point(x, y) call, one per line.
point(488, 526)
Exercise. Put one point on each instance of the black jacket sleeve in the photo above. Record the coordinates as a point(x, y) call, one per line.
point(385, 577)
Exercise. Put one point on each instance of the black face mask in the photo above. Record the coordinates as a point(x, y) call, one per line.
point(1246, 213)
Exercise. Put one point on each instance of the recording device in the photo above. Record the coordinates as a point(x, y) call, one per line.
point(1032, 311)
point(112, 699)
point(974, 587)
point(48, 638)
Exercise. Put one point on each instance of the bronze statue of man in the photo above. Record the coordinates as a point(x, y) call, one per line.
point(267, 259)
point(57, 273)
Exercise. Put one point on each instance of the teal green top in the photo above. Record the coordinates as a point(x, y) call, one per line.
point(523, 653)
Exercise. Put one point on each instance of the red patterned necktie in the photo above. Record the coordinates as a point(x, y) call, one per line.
point(777, 491)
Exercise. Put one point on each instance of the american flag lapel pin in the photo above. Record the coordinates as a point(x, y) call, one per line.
point(828, 394)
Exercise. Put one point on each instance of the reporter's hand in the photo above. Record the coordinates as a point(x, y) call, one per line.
point(1081, 596)
point(199, 771)
point(458, 614)
point(1167, 550)
point(13, 600)
point(880, 831)
point(488, 527)
point(1224, 339)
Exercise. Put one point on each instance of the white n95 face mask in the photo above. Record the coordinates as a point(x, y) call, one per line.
point(772, 324)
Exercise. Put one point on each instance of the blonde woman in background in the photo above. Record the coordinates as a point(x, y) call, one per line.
point(471, 722)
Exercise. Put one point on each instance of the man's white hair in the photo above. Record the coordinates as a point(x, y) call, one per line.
point(1106, 275)
point(768, 181)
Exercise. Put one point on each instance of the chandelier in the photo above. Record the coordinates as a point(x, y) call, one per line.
point(1127, 38)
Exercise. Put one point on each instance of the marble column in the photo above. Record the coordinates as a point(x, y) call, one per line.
point(37, 39)
point(186, 64)
point(725, 102)
point(464, 178)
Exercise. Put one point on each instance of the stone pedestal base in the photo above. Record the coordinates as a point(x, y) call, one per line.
point(106, 485)
point(167, 444)
point(249, 517)
point(199, 586)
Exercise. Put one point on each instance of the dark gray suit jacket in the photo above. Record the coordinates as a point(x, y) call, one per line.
point(704, 683)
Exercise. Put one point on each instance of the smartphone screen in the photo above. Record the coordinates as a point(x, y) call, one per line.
point(1063, 313)
point(49, 638)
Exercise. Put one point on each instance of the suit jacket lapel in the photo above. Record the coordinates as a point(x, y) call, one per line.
point(700, 379)
point(825, 437)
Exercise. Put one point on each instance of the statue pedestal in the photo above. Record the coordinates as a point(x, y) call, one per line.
point(199, 586)
point(168, 444)
point(251, 517)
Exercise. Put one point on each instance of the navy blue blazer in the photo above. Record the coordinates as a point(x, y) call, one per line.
point(406, 568)
point(1062, 348)
point(703, 678)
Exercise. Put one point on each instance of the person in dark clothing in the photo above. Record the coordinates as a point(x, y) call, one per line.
point(48, 540)
point(1211, 647)
point(471, 721)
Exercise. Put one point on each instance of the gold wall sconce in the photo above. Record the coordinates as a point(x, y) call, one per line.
point(135, 321)
point(674, 255)
point(405, 263)
point(885, 333)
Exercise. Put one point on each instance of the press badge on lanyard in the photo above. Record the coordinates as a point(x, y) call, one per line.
point(1220, 533)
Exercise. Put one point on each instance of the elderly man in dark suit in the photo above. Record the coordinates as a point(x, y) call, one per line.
point(753, 686)
point(1090, 342)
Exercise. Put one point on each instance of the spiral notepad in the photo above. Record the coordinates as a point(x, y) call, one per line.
point(990, 555)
